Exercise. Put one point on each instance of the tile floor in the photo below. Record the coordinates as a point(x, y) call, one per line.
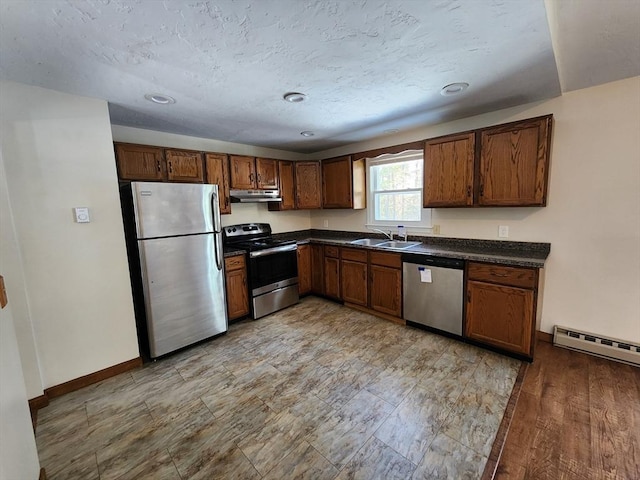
point(317, 391)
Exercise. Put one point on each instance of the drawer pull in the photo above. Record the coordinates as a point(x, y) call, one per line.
point(499, 274)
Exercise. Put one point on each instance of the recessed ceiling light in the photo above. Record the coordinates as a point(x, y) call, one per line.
point(159, 98)
point(294, 97)
point(307, 133)
point(454, 88)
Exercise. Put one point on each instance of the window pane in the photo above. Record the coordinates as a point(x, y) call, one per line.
point(398, 206)
point(398, 176)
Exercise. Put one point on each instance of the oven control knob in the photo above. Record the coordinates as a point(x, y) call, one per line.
point(234, 229)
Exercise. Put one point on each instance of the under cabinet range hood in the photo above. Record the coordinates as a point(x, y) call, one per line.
point(255, 196)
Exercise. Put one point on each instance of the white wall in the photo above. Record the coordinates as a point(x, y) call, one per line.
point(592, 218)
point(245, 213)
point(18, 455)
point(12, 269)
point(58, 154)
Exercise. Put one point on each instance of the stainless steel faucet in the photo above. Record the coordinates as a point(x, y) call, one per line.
point(389, 235)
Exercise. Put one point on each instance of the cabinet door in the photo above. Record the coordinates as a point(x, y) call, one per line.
point(332, 277)
point(337, 183)
point(448, 171)
point(243, 172)
point(386, 290)
point(139, 162)
point(317, 269)
point(353, 277)
point(500, 316)
point(514, 163)
point(237, 291)
point(184, 166)
point(307, 185)
point(287, 187)
point(217, 166)
point(304, 269)
point(267, 173)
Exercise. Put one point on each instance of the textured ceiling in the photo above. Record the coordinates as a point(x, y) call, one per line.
point(367, 66)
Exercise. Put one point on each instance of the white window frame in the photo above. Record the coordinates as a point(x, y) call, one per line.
point(424, 225)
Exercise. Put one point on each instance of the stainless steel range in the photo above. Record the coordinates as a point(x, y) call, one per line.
point(272, 266)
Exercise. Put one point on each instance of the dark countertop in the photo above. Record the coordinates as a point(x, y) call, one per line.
point(521, 254)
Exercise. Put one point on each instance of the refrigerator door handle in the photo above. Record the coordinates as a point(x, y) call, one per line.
point(217, 230)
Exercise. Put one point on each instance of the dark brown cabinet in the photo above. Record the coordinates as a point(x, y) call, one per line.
point(184, 166)
point(354, 276)
point(286, 187)
point(514, 163)
point(237, 290)
point(501, 306)
point(504, 165)
point(307, 185)
point(249, 173)
point(385, 272)
point(217, 167)
point(304, 269)
point(147, 163)
point(331, 272)
point(317, 269)
point(448, 171)
point(343, 183)
point(140, 162)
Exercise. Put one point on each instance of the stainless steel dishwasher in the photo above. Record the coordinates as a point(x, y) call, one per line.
point(433, 292)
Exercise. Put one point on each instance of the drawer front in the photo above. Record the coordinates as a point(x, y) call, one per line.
point(330, 251)
point(515, 276)
point(234, 263)
point(354, 255)
point(392, 260)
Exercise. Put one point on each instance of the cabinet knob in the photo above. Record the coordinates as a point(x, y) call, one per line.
point(170, 169)
point(158, 164)
point(468, 190)
point(481, 190)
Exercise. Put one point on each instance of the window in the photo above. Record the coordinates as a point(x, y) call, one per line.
point(395, 191)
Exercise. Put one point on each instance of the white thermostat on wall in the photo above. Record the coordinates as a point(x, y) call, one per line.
point(81, 214)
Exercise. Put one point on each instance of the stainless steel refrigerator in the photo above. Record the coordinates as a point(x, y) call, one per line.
point(176, 263)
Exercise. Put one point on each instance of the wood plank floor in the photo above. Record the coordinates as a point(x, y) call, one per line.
point(578, 417)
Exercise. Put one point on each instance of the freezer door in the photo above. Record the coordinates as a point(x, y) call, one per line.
point(168, 209)
point(184, 291)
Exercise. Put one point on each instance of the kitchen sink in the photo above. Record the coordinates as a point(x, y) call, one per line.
point(369, 242)
point(397, 244)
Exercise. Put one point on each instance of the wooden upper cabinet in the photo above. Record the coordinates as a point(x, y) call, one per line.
point(184, 166)
point(448, 171)
point(217, 167)
point(307, 185)
point(139, 162)
point(249, 173)
point(243, 172)
point(343, 183)
point(514, 163)
point(286, 187)
point(266, 173)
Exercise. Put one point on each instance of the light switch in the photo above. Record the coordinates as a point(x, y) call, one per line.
point(82, 214)
point(503, 231)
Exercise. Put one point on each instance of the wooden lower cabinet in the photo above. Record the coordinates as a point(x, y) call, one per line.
point(501, 307)
point(304, 269)
point(237, 290)
point(353, 276)
point(332, 277)
point(386, 290)
point(317, 269)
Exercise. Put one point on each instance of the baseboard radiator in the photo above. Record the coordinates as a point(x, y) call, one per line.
point(611, 348)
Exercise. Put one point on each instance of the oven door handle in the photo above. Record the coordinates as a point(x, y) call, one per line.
point(271, 251)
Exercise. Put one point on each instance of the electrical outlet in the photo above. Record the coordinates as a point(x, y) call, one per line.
point(325, 223)
point(435, 229)
point(503, 231)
